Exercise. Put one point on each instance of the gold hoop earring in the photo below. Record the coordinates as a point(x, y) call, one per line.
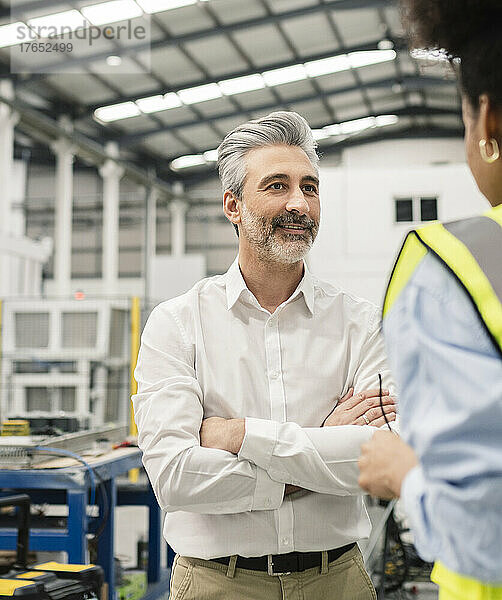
point(484, 154)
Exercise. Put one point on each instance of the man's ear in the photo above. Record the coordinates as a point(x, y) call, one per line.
point(232, 207)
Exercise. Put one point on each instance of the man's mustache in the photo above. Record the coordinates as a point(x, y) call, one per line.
point(283, 220)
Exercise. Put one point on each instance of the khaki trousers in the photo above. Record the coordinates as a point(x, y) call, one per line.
point(343, 579)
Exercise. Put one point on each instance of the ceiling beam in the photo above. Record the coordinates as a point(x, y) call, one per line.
point(410, 83)
point(335, 5)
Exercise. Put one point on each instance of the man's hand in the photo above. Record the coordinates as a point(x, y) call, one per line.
point(384, 463)
point(352, 410)
point(223, 434)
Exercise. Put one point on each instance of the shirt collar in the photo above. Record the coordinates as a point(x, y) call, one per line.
point(235, 285)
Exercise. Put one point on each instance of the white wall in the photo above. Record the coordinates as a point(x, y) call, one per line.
point(358, 238)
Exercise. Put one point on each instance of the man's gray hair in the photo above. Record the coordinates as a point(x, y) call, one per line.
point(281, 127)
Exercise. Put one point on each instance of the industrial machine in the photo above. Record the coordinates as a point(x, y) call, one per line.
point(45, 581)
point(65, 358)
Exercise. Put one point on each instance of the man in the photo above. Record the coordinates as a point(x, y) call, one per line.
point(235, 379)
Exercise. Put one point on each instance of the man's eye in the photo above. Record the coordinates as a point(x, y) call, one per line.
point(277, 186)
point(310, 189)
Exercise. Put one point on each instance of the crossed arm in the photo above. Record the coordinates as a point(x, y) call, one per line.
point(259, 457)
point(229, 434)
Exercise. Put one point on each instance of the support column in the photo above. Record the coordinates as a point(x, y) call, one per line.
point(150, 245)
point(64, 152)
point(111, 172)
point(8, 120)
point(178, 210)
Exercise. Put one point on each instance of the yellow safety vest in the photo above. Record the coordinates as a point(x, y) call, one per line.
point(472, 251)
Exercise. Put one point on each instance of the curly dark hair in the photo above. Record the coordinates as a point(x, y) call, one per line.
point(469, 30)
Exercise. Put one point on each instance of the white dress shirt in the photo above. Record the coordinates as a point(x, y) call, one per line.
point(215, 351)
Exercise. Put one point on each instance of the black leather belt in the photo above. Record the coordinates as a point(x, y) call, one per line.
point(283, 564)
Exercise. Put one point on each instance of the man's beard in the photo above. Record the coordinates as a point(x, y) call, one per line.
point(272, 243)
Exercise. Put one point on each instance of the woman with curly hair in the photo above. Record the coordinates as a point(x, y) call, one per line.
point(443, 328)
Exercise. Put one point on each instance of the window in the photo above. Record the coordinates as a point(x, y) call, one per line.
point(404, 210)
point(428, 209)
point(416, 209)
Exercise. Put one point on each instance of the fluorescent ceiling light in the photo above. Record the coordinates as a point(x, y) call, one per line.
point(15, 33)
point(156, 103)
point(430, 55)
point(111, 12)
point(256, 81)
point(385, 44)
point(320, 134)
point(370, 57)
point(211, 155)
point(384, 120)
point(325, 66)
point(114, 112)
point(357, 125)
point(172, 100)
point(285, 75)
point(332, 129)
point(201, 93)
point(349, 127)
point(189, 160)
point(154, 6)
point(239, 85)
point(113, 61)
point(58, 23)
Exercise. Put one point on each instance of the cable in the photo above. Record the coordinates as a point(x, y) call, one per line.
point(92, 476)
point(381, 401)
point(62, 452)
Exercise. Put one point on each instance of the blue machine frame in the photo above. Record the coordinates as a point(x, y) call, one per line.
point(71, 485)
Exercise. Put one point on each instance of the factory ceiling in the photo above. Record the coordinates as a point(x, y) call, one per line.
point(169, 97)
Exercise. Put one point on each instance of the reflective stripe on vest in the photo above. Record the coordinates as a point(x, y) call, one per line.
point(472, 250)
point(456, 587)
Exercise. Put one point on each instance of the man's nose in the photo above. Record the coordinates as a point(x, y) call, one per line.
point(297, 202)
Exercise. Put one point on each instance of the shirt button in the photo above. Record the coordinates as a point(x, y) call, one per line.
point(268, 502)
point(285, 541)
point(274, 374)
point(271, 323)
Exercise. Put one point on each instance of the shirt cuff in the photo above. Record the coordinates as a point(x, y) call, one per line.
point(268, 494)
point(259, 442)
point(412, 495)
point(412, 489)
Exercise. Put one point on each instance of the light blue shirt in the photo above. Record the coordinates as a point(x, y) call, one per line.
point(449, 374)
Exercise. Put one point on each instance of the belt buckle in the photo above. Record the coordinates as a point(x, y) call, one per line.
point(270, 568)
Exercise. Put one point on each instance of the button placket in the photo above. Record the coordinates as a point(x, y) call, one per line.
point(285, 527)
point(273, 357)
